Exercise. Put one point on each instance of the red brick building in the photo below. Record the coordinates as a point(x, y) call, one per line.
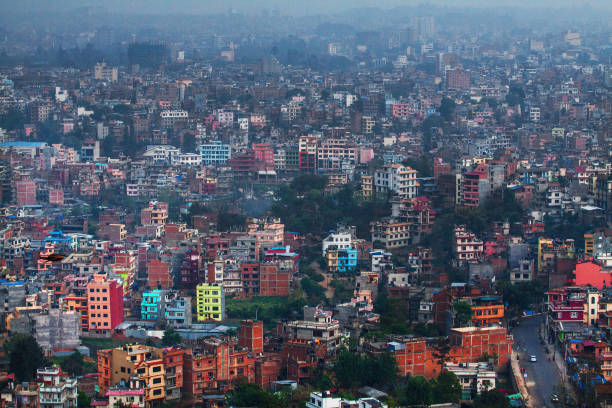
point(158, 274)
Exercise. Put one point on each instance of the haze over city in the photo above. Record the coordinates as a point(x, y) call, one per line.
point(322, 204)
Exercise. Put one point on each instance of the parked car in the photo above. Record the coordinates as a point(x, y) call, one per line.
point(533, 358)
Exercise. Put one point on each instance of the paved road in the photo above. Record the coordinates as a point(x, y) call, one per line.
point(543, 375)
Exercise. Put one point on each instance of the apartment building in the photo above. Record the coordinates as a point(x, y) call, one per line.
point(210, 300)
point(398, 179)
point(104, 305)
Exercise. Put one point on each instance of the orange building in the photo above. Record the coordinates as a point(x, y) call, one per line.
point(251, 336)
point(487, 310)
point(158, 371)
point(214, 366)
point(415, 356)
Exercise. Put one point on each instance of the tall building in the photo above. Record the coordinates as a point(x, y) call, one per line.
point(397, 178)
point(210, 302)
point(105, 304)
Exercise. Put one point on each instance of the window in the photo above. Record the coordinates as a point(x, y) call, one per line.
point(156, 369)
point(574, 315)
point(157, 392)
point(157, 380)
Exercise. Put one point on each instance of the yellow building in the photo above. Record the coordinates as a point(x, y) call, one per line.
point(210, 302)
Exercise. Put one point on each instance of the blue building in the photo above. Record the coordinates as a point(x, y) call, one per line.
point(347, 260)
point(215, 153)
point(151, 305)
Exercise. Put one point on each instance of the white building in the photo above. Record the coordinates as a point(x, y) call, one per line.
point(534, 114)
point(169, 117)
point(325, 400)
point(474, 378)
point(187, 159)
point(56, 391)
point(341, 239)
point(400, 179)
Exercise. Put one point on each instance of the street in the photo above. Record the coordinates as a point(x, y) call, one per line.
point(543, 375)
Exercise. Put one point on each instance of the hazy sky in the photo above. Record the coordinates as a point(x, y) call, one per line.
point(299, 7)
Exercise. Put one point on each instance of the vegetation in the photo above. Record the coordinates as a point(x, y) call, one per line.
point(463, 313)
point(247, 394)
point(491, 399)
point(419, 392)
point(353, 371)
point(25, 356)
point(171, 338)
point(305, 207)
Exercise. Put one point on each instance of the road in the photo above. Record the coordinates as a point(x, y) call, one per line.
point(543, 375)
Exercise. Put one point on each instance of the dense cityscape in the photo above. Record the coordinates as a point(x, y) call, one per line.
point(359, 208)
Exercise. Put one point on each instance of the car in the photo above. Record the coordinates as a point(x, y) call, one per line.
point(533, 358)
point(554, 398)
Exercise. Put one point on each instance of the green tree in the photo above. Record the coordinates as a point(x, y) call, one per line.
point(447, 388)
point(171, 337)
point(491, 399)
point(347, 369)
point(247, 394)
point(83, 400)
point(463, 313)
point(25, 356)
point(73, 364)
point(418, 391)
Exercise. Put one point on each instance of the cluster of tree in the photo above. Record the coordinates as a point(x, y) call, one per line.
point(305, 207)
point(522, 295)
point(353, 371)
point(417, 391)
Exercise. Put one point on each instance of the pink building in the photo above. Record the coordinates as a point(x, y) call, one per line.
point(104, 304)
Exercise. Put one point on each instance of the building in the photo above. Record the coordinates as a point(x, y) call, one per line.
point(215, 153)
point(467, 247)
point(474, 378)
point(56, 389)
point(341, 238)
point(158, 274)
point(25, 192)
point(155, 214)
point(58, 329)
point(105, 304)
point(152, 306)
point(341, 260)
point(159, 372)
point(170, 117)
point(458, 80)
point(210, 302)
point(103, 72)
point(398, 179)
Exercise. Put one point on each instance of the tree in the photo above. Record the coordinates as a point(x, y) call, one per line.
point(247, 394)
point(491, 399)
point(189, 143)
point(441, 349)
point(463, 313)
point(83, 400)
point(171, 337)
point(73, 364)
point(418, 391)
point(447, 388)
point(25, 356)
point(347, 369)
point(447, 109)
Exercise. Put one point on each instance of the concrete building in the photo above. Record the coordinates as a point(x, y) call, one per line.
point(398, 179)
point(210, 302)
point(57, 330)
